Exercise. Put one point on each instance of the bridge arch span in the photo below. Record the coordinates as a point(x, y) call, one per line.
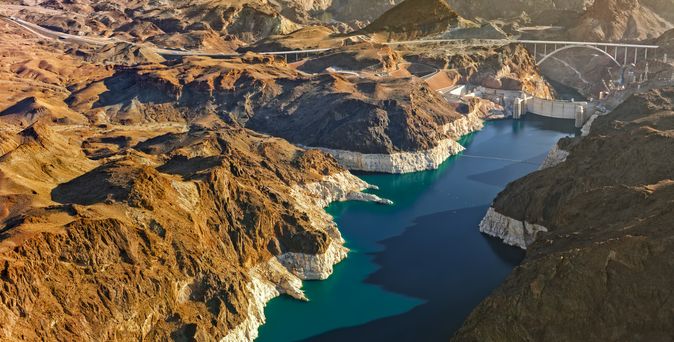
point(578, 46)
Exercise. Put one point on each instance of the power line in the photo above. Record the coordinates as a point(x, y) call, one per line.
point(499, 158)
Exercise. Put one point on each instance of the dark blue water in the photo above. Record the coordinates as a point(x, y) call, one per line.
point(417, 268)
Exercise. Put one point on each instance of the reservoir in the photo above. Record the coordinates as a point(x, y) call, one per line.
point(417, 268)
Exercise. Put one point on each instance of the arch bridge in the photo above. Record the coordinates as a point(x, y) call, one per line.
point(619, 53)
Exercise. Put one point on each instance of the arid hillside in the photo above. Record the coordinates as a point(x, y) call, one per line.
point(514, 8)
point(116, 163)
point(312, 104)
point(390, 109)
point(666, 42)
point(196, 24)
point(619, 20)
point(163, 230)
point(148, 192)
point(183, 219)
point(35, 78)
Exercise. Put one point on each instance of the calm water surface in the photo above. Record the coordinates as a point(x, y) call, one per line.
point(416, 269)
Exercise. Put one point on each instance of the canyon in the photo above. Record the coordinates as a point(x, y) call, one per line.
point(150, 170)
point(599, 245)
point(163, 176)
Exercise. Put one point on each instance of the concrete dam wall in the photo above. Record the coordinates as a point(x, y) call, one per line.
point(519, 103)
point(554, 109)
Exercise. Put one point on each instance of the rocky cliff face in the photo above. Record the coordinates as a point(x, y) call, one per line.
point(191, 221)
point(596, 270)
point(351, 12)
point(421, 160)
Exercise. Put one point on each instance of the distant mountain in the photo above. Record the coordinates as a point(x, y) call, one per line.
point(413, 19)
point(666, 42)
point(348, 11)
point(664, 8)
point(514, 8)
point(619, 20)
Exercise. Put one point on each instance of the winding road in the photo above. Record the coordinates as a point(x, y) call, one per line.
point(50, 34)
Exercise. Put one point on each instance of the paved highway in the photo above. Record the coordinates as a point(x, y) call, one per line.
point(50, 34)
point(100, 41)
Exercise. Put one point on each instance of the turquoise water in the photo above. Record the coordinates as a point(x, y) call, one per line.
point(416, 269)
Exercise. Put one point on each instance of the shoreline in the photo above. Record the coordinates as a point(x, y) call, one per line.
point(284, 274)
point(408, 162)
point(509, 230)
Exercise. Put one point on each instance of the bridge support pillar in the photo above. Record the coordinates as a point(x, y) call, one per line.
point(580, 116)
point(536, 52)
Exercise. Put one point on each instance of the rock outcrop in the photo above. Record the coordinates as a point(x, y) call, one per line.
point(511, 231)
point(507, 67)
point(196, 223)
point(359, 11)
point(557, 154)
point(662, 7)
point(123, 54)
point(597, 269)
point(395, 118)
